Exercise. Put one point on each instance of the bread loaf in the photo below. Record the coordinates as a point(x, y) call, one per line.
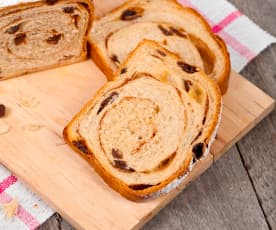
point(143, 130)
point(37, 35)
point(181, 30)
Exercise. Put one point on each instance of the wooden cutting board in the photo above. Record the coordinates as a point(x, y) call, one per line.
point(41, 104)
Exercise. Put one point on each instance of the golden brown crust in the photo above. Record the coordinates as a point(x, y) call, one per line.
point(97, 57)
point(64, 63)
point(82, 57)
point(222, 80)
point(111, 180)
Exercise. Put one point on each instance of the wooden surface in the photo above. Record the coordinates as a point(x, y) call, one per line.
point(34, 149)
point(217, 199)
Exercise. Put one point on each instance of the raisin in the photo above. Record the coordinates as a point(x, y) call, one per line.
point(132, 13)
point(68, 10)
point(2, 110)
point(51, 2)
point(187, 84)
point(114, 58)
point(161, 53)
point(117, 154)
point(123, 71)
point(187, 68)
point(165, 162)
point(153, 55)
point(140, 186)
point(122, 165)
point(179, 32)
point(81, 146)
point(19, 38)
point(108, 100)
point(165, 31)
point(198, 150)
point(54, 39)
point(204, 120)
point(76, 19)
point(13, 29)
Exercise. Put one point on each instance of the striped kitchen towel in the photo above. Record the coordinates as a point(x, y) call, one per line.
point(245, 41)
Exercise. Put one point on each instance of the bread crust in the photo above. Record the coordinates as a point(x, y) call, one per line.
point(27, 5)
point(222, 80)
point(112, 181)
point(99, 60)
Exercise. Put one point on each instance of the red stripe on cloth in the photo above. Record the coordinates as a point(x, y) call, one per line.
point(236, 45)
point(230, 40)
point(10, 180)
point(27, 218)
point(226, 21)
point(22, 214)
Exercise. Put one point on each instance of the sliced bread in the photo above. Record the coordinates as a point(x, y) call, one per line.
point(181, 30)
point(143, 130)
point(38, 34)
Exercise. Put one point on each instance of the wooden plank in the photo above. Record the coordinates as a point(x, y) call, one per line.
point(258, 148)
point(56, 222)
point(236, 104)
point(220, 199)
point(32, 154)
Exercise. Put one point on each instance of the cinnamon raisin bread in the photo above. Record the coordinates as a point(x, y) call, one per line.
point(36, 35)
point(181, 30)
point(143, 129)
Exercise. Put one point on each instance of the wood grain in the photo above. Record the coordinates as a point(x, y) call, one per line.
point(213, 201)
point(258, 148)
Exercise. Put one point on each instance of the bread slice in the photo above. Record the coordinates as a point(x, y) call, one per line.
point(142, 130)
point(37, 35)
point(181, 30)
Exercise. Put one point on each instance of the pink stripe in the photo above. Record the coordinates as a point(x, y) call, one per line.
point(10, 180)
point(236, 45)
point(226, 21)
point(22, 214)
point(27, 218)
point(230, 40)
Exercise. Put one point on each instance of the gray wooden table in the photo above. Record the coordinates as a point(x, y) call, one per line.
point(239, 191)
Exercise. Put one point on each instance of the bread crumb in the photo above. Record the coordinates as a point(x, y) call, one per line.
point(32, 127)
point(4, 128)
point(35, 206)
point(11, 208)
point(27, 101)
